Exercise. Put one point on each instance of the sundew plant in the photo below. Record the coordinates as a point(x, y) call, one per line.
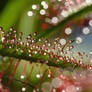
point(46, 46)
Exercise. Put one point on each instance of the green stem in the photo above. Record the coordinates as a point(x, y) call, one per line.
point(36, 58)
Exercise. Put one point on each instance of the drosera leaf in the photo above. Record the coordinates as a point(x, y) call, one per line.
point(37, 59)
point(30, 51)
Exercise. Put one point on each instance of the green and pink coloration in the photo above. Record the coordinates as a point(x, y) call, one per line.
point(44, 52)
